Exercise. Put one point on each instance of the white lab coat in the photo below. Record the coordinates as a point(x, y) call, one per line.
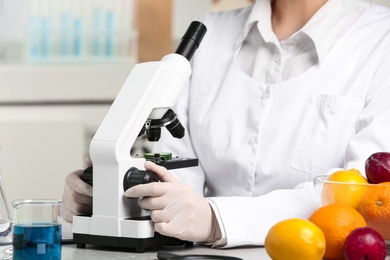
point(256, 143)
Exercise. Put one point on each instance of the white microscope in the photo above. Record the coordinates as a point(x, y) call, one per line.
point(142, 105)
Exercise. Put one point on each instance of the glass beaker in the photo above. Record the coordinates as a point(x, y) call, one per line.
point(37, 232)
point(5, 223)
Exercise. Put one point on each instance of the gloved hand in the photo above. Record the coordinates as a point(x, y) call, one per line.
point(176, 209)
point(77, 195)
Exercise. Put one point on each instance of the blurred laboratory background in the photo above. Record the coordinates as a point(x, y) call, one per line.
point(62, 62)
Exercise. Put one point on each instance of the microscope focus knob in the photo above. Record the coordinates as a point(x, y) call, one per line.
point(87, 176)
point(134, 177)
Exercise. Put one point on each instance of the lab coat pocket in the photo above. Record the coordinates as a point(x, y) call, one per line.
point(327, 128)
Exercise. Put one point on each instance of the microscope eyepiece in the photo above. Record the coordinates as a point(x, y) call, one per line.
point(191, 40)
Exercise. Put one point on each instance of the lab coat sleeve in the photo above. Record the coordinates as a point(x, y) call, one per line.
point(246, 220)
point(373, 125)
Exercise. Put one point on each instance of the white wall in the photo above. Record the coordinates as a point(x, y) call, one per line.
point(46, 123)
point(382, 2)
point(186, 11)
point(38, 153)
point(12, 18)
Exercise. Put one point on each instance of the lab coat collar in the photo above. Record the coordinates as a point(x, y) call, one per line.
point(261, 11)
point(332, 20)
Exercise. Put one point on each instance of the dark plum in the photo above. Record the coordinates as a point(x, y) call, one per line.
point(364, 243)
point(377, 167)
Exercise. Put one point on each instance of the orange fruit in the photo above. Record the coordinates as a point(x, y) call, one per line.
point(375, 208)
point(336, 221)
point(295, 239)
point(341, 188)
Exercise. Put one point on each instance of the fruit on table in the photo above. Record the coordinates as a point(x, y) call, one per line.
point(344, 193)
point(336, 221)
point(365, 243)
point(377, 167)
point(375, 208)
point(295, 239)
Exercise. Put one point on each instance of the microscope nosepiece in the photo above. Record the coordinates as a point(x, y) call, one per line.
point(170, 121)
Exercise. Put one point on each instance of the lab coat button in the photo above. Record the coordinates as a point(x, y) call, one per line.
point(252, 141)
point(265, 95)
point(332, 110)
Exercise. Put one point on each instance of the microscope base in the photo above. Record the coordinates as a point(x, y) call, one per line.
point(138, 244)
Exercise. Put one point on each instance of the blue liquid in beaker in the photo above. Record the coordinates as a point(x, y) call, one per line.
point(40, 241)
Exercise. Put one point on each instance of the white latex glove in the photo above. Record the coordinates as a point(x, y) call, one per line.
point(176, 209)
point(77, 195)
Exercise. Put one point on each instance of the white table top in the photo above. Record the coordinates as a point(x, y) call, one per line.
point(70, 251)
point(91, 252)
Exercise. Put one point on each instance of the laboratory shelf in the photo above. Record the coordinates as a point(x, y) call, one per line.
point(78, 83)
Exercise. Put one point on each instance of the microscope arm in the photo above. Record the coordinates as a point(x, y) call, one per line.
point(150, 87)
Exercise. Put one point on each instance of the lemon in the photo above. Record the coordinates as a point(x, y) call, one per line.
point(295, 239)
point(350, 191)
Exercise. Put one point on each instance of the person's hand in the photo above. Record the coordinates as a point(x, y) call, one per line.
point(77, 195)
point(176, 209)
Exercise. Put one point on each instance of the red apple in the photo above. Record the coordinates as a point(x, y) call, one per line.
point(364, 243)
point(377, 167)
